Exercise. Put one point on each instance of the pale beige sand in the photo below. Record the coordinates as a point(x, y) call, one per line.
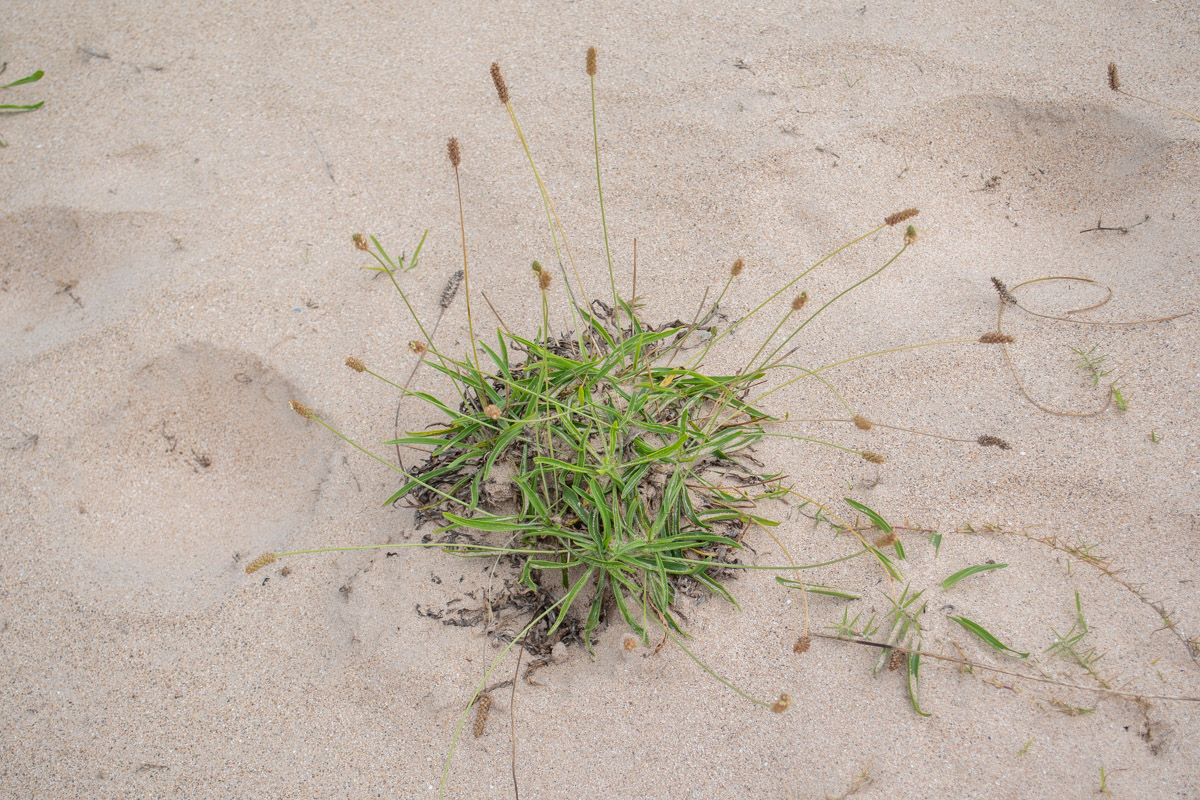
point(197, 183)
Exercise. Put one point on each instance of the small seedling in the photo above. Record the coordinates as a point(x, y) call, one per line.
point(10, 108)
point(1069, 645)
point(1154, 437)
point(1118, 398)
point(1090, 362)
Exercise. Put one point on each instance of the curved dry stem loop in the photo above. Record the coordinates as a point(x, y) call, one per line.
point(1108, 397)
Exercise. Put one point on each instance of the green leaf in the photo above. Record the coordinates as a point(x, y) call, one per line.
point(490, 523)
point(876, 520)
point(982, 633)
point(968, 572)
point(817, 588)
point(11, 109)
point(886, 563)
point(436, 441)
point(37, 76)
point(412, 263)
point(913, 674)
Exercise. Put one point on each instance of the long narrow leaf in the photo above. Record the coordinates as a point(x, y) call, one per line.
point(876, 520)
point(11, 109)
point(37, 76)
point(968, 572)
point(982, 633)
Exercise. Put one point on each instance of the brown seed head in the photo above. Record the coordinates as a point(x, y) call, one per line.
point(356, 365)
point(799, 300)
point(492, 411)
point(802, 644)
point(995, 337)
point(737, 268)
point(417, 346)
point(862, 423)
point(451, 289)
point(630, 644)
point(544, 279)
point(1005, 295)
point(910, 235)
point(1114, 80)
point(360, 242)
point(782, 704)
point(591, 61)
point(481, 714)
point(885, 540)
point(992, 441)
point(301, 409)
point(264, 560)
point(900, 216)
point(895, 660)
point(501, 86)
point(455, 153)
point(872, 458)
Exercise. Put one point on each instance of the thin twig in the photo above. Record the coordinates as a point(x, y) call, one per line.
point(1022, 675)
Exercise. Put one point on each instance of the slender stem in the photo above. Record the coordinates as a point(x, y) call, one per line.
point(603, 222)
point(482, 683)
point(833, 300)
point(1022, 675)
point(767, 341)
point(473, 548)
point(466, 272)
point(389, 464)
point(1160, 105)
point(783, 289)
point(813, 372)
point(546, 197)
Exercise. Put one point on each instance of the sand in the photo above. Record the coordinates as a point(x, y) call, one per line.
point(176, 264)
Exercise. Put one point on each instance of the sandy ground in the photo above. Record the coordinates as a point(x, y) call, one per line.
point(175, 265)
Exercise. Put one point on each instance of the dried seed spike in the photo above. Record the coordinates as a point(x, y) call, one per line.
point(360, 242)
point(1114, 80)
point(264, 560)
point(799, 300)
point(630, 644)
point(455, 153)
point(895, 661)
point(737, 268)
point(481, 714)
point(900, 216)
point(301, 409)
point(910, 235)
point(492, 411)
point(782, 704)
point(802, 644)
point(993, 441)
point(591, 61)
point(1005, 295)
point(995, 337)
point(862, 423)
point(501, 86)
point(356, 365)
point(417, 346)
point(872, 458)
point(544, 279)
point(451, 289)
point(885, 540)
